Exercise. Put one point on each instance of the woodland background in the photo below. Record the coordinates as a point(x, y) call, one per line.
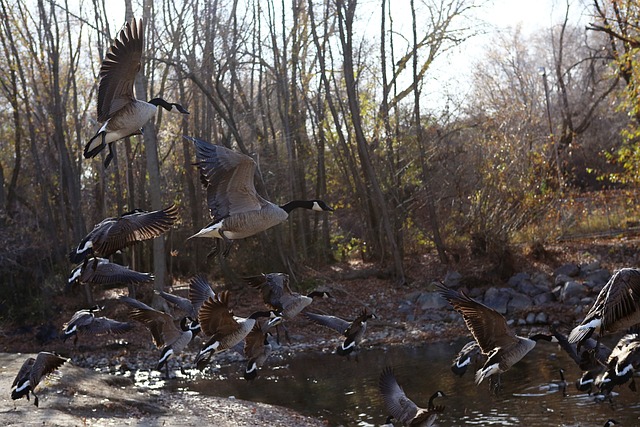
point(331, 107)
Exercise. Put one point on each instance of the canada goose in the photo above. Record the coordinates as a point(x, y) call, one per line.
point(610, 422)
point(257, 349)
point(32, 371)
point(108, 274)
point(120, 112)
point(404, 409)
point(353, 331)
point(624, 359)
point(238, 211)
point(616, 308)
point(165, 333)
point(225, 329)
point(85, 322)
point(469, 354)
point(113, 234)
point(497, 341)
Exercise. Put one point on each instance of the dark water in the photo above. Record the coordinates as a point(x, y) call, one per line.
point(346, 393)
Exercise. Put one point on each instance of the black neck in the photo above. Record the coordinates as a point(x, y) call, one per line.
point(545, 337)
point(260, 314)
point(294, 204)
point(159, 102)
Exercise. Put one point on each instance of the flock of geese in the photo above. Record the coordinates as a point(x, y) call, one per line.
point(238, 211)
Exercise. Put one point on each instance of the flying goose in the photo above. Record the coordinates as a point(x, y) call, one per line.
point(469, 354)
point(32, 371)
point(85, 322)
point(164, 332)
point(404, 409)
point(113, 234)
point(497, 341)
point(277, 295)
point(616, 308)
point(257, 349)
point(238, 211)
point(353, 331)
point(122, 114)
point(225, 329)
point(108, 274)
point(621, 364)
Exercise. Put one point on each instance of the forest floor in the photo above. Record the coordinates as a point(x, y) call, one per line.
point(84, 396)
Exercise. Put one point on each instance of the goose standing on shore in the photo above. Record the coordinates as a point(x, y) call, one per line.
point(616, 308)
point(497, 341)
point(238, 211)
point(122, 114)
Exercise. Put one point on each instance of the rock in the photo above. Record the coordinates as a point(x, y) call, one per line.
point(587, 301)
point(543, 298)
point(541, 280)
point(452, 279)
point(522, 322)
point(571, 270)
point(541, 318)
point(588, 268)
point(518, 278)
point(497, 298)
point(572, 290)
point(431, 301)
point(596, 279)
point(476, 293)
point(519, 302)
point(531, 318)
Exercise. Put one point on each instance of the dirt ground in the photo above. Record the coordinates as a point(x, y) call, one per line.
point(82, 396)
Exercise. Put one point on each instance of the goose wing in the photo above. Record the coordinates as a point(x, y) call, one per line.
point(24, 371)
point(622, 297)
point(135, 227)
point(102, 325)
point(271, 289)
point(215, 317)
point(228, 177)
point(254, 342)
point(199, 291)
point(395, 400)
point(488, 327)
point(161, 325)
point(119, 69)
point(332, 322)
point(79, 318)
point(108, 273)
point(184, 304)
point(45, 363)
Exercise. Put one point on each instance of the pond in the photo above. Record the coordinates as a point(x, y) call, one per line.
point(343, 392)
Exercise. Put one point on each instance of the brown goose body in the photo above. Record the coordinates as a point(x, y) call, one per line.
point(489, 328)
point(225, 329)
point(121, 113)
point(277, 294)
point(353, 331)
point(164, 332)
point(114, 234)
point(31, 372)
point(257, 349)
point(238, 211)
point(616, 308)
point(403, 409)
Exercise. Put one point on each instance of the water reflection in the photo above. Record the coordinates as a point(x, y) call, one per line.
point(346, 392)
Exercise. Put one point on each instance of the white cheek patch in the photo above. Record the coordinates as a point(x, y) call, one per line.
point(464, 362)
point(167, 354)
point(352, 344)
point(87, 245)
point(252, 368)
point(71, 331)
point(625, 371)
point(213, 347)
point(75, 274)
point(25, 385)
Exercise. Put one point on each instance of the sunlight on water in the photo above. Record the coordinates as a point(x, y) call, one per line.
point(346, 392)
